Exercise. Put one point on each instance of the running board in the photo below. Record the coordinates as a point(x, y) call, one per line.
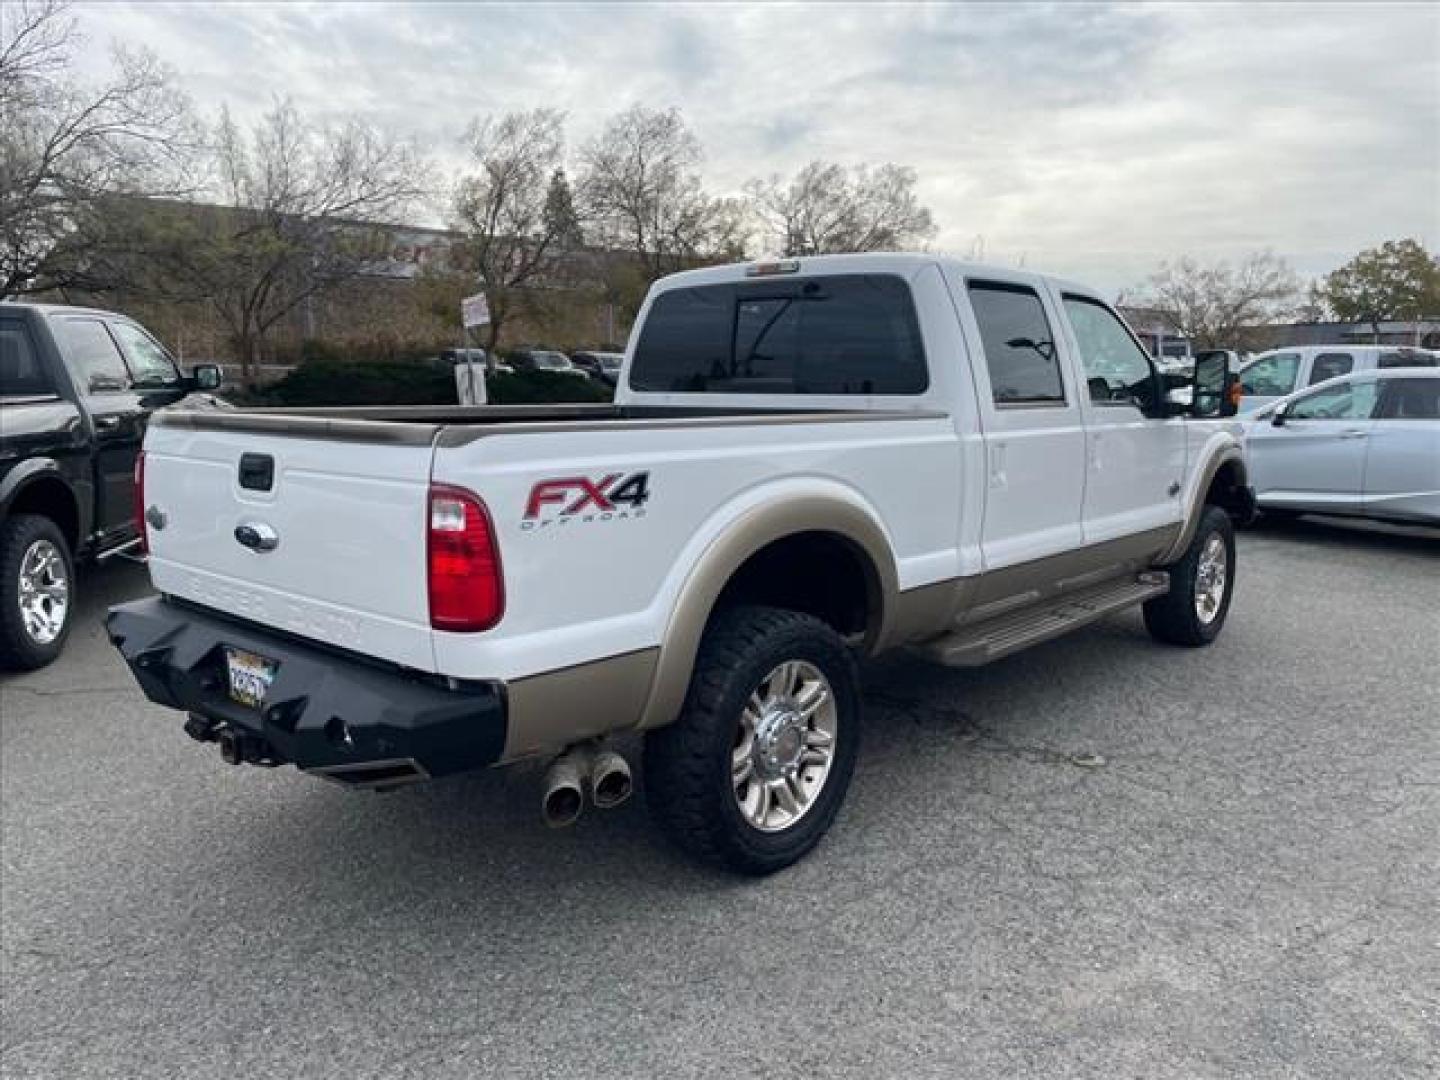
point(972, 646)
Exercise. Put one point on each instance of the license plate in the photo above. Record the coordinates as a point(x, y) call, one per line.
point(250, 677)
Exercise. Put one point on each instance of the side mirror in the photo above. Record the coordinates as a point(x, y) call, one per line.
point(1277, 419)
point(206, 376)
point(1216, 388)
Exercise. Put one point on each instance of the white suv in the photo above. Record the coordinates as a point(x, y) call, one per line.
point(1274, 374)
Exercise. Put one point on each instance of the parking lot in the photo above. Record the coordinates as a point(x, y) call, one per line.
point(1103, 857)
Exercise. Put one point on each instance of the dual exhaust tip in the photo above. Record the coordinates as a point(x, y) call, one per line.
point(604, 773)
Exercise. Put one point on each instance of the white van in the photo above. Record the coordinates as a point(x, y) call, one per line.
point(1273, 374)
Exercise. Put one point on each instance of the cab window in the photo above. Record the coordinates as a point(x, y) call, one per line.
point(1329, 365)
point(1019, 344)
point(1271, 376)
point(90, 352)
point(150, 364)
point(20, 372)
point(1117, 369)
point(1351, 401)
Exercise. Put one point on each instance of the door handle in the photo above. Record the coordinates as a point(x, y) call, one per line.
point(107, 423)
point(997, 465)
point(1356, 433)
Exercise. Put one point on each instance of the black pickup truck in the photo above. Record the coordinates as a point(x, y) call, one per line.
point(76, 388)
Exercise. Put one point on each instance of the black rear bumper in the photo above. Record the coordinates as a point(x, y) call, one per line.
point(324, 712)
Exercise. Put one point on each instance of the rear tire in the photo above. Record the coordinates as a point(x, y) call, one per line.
point(1202, 583)
point(37, 592)
point(753, 772)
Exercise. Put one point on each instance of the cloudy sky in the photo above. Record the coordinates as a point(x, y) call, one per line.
point(1091, 141)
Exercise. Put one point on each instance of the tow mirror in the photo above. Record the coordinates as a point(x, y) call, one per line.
point(206, 376)
point(1216, 387)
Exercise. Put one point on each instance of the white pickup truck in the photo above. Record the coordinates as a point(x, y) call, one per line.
point(807, 462)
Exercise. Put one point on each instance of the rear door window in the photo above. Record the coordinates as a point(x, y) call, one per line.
point(21, 374)
point(1019, 344)
point(1328, 365)
point(92, 355)
point(1411, 399)
point(846, 334)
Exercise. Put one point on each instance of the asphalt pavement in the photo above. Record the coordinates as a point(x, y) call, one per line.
point(1102, 858)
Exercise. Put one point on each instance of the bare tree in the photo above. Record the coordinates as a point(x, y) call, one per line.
point(66, 145)
point(301, 209)
point(641, 190)
point(827, 208)
point(1218, 305)
point(516, 210)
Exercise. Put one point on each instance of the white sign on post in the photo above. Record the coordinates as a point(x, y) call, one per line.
point(470, 383)
point(475, 311)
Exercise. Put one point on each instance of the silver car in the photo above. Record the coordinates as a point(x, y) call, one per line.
point(1366, 444)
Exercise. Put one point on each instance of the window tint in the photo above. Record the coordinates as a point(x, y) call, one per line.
point(20, 372)
point(1117, 370)
point(91, 353)
point(848, 334)
point(1330, 364)
point(1406, 359)
point(1411, 399)
point(150, 365)
point(1271, 376)
point(1019, 346)
point(1350, 401)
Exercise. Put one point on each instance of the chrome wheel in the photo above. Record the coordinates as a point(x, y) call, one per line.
point(44, 592)
point(1211, 576)
point(784, 746)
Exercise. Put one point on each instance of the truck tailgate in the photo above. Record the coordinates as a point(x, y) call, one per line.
point(347, 516)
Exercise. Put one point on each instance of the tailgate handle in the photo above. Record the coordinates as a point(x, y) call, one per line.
point(257, 536)
point(257, 472)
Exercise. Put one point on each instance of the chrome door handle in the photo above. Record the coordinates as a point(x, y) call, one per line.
point(107, 423)
point(257, 536)
point(1354, 434)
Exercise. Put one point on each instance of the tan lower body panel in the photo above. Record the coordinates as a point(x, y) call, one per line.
point(548, 712)
point(1014, 587)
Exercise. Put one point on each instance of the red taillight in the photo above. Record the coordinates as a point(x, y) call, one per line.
point(467, 589)
point(140, 503)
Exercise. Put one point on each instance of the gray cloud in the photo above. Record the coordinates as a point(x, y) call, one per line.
point(1089, 139)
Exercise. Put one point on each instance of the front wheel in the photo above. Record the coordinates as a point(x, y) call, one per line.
point(36, 591)
point(754, 771)
point(1201, 585)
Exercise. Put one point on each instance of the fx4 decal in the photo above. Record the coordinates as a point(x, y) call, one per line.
point(581, 498)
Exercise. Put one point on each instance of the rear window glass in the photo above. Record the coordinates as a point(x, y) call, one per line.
point(20, 372)
point(847, 334)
